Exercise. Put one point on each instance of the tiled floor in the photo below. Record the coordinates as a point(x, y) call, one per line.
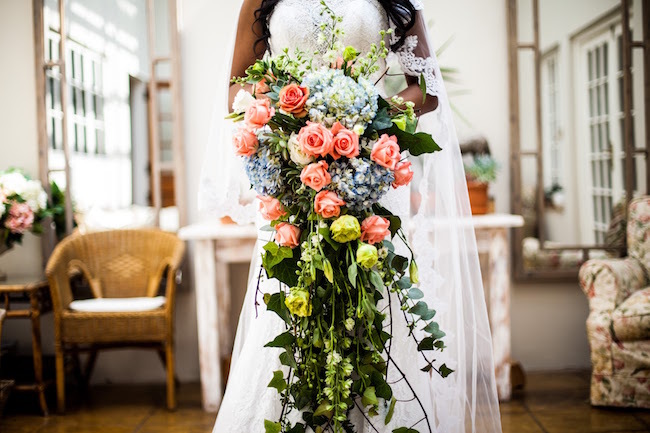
point(551, 403)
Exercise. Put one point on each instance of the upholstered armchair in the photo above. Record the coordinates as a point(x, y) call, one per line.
point(124, 269)
point(618, 326)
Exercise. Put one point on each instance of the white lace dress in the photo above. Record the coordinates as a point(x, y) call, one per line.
point(248, 401)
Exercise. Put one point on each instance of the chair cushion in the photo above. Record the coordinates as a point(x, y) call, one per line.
point(117, 305)
point(631, 319)
point(638, 224)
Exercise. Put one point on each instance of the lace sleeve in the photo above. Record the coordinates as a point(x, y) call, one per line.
point(416, 57)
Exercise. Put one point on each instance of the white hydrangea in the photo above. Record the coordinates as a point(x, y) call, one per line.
point(295, 153)
point(242, 101)
point(13, 183)
point(35, 196)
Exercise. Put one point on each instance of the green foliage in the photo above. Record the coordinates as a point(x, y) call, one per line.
point(483, 169)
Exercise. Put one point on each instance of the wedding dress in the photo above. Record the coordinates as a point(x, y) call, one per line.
point(437, 215)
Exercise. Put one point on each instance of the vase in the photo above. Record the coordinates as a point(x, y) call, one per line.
point(478, 197)
point(3, 249)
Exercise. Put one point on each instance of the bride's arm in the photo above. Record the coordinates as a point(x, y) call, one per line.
point(417, 59)
point(245, 53)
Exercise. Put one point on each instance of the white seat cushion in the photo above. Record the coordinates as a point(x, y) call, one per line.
point(117, 305)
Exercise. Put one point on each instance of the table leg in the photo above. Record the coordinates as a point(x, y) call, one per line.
point(35, 317)
point(208, 324)
point(499, 308)
point(224, 307)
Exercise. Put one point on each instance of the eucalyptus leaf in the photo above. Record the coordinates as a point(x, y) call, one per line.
point(404, 283)
point(375, 280)
point(352, 274)
point(419, 309)
point(434, 329)
point(415, 293)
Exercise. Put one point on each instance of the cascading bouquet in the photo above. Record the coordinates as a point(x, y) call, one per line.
point(23, 205)
point(321, 148)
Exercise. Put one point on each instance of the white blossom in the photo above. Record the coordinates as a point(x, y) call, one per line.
point(13, 183)
point(35, 196)
point(242, 101)
point(296, 154)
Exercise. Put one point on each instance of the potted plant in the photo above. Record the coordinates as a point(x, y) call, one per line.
point(23, 206)
point(480, 173)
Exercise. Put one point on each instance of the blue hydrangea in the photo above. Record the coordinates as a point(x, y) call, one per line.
point(337, 97)
point(360, 182)
point(264, 170)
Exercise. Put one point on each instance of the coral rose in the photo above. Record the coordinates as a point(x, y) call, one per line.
point(259, 113)
point(270, 208)
point(316, 176)
point(327, 204)
point(346, 142)
point(403, 174)
point(245, 142)
point(374, 229)
point(287, 235)
point(261, 87)
point(315, 139)
point(20, 218)
point(293, 99)
point(386, 151)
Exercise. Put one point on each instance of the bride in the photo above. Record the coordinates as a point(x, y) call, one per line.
point(436, 213)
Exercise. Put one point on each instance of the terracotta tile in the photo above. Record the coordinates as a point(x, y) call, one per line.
point(587, 421)
point(519, 423)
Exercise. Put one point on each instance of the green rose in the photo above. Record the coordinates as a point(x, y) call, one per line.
point(345, 229)
point(367, 255)
point(298, 302)
point(400, 122)
point(350, 54)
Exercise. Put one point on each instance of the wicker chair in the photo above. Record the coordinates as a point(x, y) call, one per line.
point(117, 264)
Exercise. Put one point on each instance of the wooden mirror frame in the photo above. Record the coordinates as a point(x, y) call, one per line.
point(516, 153)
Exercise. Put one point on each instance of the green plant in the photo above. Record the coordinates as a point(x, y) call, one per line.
point(483, 169)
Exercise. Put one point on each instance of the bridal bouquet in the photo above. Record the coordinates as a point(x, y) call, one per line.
point(321, 148)
point(23, 205)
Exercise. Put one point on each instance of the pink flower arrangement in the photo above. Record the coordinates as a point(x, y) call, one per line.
point(287, 235)
point(245, 142)
point(403, 174)
point(259, 113)
point(293, 99)
point(20, 218)
point(315, 140)
point(374, 229)
point(386, 151)
point(270, 208)
point(346, 142)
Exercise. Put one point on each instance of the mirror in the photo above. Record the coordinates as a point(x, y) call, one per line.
point(569, 147)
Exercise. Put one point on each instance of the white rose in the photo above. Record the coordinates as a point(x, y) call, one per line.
point(359, 129)
point(242, 101)
point(3, 199)
point(13, 183)
point(296, 153)
point(35, 196)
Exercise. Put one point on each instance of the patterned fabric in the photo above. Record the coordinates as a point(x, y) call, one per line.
point(631, 320)
point(638, 239)
point(618, 326)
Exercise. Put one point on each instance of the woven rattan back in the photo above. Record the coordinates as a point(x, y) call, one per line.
point(122, 263)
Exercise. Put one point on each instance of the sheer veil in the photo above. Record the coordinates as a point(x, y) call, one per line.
point(442, 238)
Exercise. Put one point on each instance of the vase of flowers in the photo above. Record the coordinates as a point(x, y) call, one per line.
point(480, 173)
point(23, 206)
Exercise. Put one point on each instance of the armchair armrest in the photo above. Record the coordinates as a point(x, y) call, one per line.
point(609, 282)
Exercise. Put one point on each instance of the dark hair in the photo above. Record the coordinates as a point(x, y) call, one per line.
point(400, 13)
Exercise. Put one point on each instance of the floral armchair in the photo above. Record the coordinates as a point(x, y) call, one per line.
point(618, 326)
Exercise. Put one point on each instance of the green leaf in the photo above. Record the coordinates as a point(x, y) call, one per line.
point(391, 411)
point(419, 309)
point(272, 427)
point(368, 309)
point(298, 428)
point(285, 271)
point(375, 280)
point(282, 340)
point(275, 255)
point(426, 344)
point(352, 274)
point(445, 371)
point(382, 388)
point(434, 329)
point(415, 293)
point(405, 430)
point(278, 381)
point(423, 88)
point(382, 120)
point(417, 144)
point(404, 283)
point(428, 315)
point(369, 397)
point(276, 304)
point(427, 368)
point(325, 232)
point(322, 410)
point(399, 263)
point(287, 359)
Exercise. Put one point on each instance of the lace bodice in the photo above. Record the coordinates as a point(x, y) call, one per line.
point(295, 24)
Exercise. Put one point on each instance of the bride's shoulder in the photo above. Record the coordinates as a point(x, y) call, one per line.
point(252, 4)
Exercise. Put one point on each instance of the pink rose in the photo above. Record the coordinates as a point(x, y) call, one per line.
point(374, 229)
point(270, 208)
point(403, 174)
point(386, 152)
point(20, 218)
point(259, 113)
point(245, 142)
point(316, 176)
point(315, 139)
point(327, 204)
point(346, 142)
point(293, 99)
point(261, 87)
point(287, 235)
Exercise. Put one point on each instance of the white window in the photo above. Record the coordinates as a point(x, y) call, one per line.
point(552, 133)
